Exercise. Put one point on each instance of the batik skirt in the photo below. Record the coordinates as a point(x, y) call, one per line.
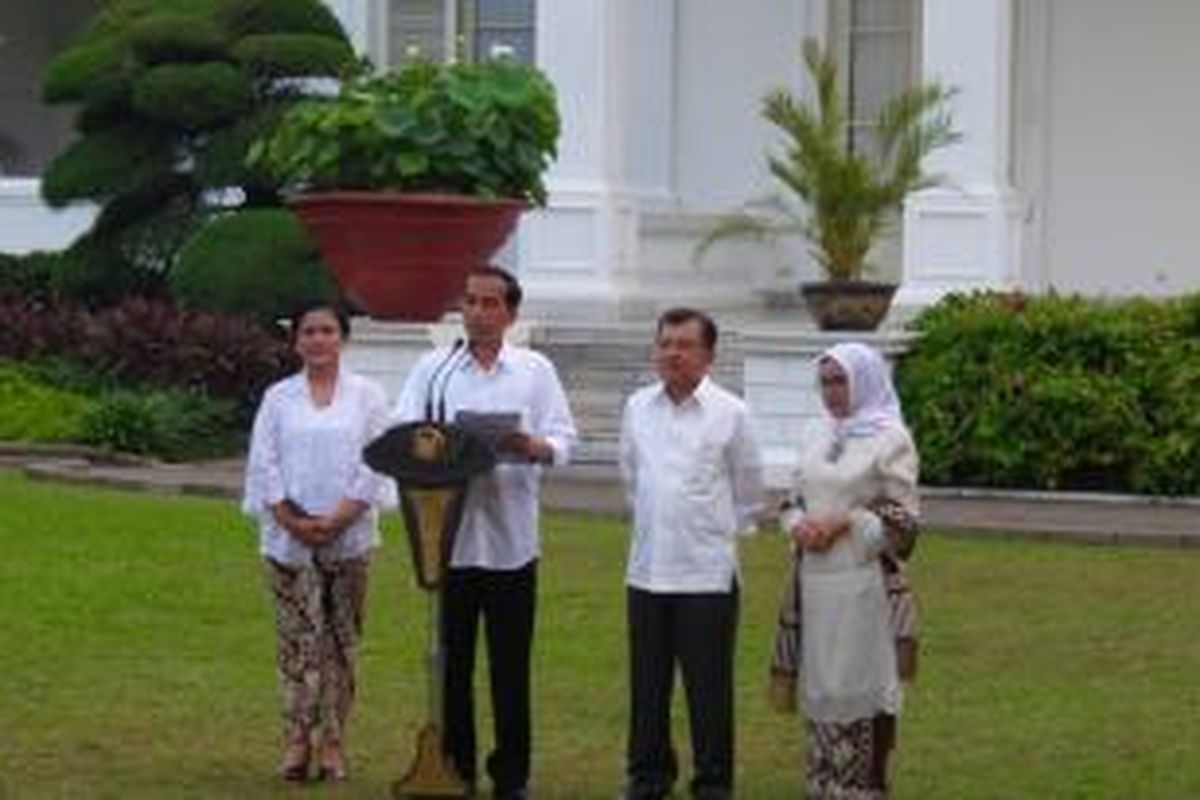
point(849, 760)
point(318, 622)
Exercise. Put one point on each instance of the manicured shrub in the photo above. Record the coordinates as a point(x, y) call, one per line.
point(220, 160)
point(28, 276)
point(1056, 393)
point(293, 54)
point(97, 73)
point(55, 401)
point(250, 17)
point(172, 36)
point(121, 159)
point(258, 262)
point(31, 411)
point(193, 97)
point(155, 343)
point(172, 425)
point(84, 274)
point(162, 89)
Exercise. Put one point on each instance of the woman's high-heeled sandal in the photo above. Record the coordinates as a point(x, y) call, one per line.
point(332, 765)
point(294, 766)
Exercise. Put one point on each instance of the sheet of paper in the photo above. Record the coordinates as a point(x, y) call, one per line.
point(494, 427)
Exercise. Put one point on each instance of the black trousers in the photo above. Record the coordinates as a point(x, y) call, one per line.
point(505, 600)
point(697, 631)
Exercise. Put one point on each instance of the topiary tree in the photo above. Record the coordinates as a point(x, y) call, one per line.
point(171, 93)
point(258, 262)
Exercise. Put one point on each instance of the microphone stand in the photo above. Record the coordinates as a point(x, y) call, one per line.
point(433, 774)
point(429, 386)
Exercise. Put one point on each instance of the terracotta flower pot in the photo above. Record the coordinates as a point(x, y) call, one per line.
point(848, 305)
point(405, 256)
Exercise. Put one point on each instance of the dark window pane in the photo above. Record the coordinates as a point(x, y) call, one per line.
point(498, 28)
point(416, 28)
point(505, 13)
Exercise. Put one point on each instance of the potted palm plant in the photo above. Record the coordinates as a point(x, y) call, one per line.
point(408, 180)
point(837, 198)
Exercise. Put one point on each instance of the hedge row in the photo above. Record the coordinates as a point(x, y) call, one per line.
point(169, 424)
point(152, 343)
point(1051, 392)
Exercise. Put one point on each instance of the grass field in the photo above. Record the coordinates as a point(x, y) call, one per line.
point(136, 661)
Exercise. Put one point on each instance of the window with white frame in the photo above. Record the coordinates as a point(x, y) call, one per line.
point(468, 29)
point(876, 43)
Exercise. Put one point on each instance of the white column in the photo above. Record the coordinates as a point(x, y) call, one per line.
point(964, 234)
point(355, 16)
point(612, 63)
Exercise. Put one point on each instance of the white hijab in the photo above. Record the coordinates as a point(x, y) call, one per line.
point(873, 401)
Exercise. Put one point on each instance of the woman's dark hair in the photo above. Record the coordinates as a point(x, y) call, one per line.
point(339, 313)
point(512, 288)
point(678, 316)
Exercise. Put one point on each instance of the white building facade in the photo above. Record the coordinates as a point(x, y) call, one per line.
point(1075, 171)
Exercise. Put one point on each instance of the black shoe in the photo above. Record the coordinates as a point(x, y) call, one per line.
point(512, 794)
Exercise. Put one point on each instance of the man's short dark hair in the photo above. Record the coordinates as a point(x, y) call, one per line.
point(678, 316)
point(512, 288)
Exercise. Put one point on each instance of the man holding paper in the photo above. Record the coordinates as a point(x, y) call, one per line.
point(511, 396)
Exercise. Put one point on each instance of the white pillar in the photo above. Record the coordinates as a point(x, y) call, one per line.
point(355, 16)
point(612, 63)
point(963, 235)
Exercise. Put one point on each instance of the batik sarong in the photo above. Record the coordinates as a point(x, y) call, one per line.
point(318, 622)
point(849, 760)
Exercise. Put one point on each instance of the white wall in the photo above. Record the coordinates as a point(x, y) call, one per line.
point(729, 54)
point(1122, 148)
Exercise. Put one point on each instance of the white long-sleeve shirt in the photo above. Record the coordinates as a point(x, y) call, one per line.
point(313, 456)
point(693, 479)
point(499, 528)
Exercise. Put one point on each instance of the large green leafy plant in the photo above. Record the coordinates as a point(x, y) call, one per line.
point(838, 198)
point(486, 129)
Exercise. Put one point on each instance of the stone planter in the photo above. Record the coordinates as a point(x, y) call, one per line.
point(848, 305)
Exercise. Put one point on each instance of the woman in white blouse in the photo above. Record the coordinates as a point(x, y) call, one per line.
point(316, 505)
point(853, 525)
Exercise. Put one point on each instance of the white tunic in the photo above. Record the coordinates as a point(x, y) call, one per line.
point(848, 650)
point(313, 456)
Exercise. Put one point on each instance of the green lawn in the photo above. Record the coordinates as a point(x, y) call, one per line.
point(136, 661)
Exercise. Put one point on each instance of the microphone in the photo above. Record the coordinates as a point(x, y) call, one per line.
point(441, 416)
point(458, 343)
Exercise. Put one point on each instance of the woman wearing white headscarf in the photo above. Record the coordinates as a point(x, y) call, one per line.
point(847, 630)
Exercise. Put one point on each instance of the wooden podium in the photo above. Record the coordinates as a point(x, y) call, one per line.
point(432, 464)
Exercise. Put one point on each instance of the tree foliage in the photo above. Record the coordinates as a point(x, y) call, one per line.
point(170, 94)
